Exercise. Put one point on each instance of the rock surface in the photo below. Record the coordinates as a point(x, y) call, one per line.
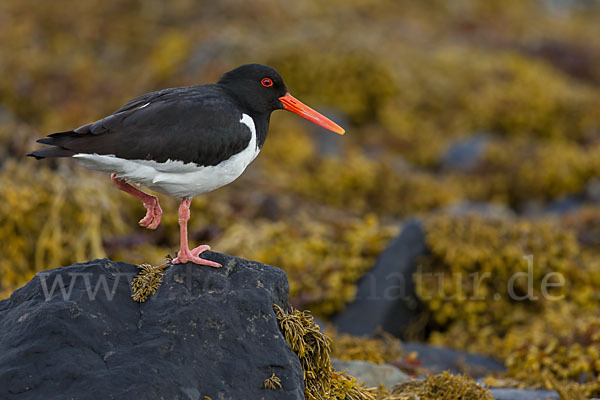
point(523, 394)
point(206, 332)
point(485, 210)
point(440, 359)
point(464, 155)
point(592, 191)
point(371, 374)
point(385, 296)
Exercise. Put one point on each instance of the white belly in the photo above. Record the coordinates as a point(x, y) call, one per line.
point(176, 178)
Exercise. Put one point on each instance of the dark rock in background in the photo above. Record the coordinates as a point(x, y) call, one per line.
point(592, 191)
point(440, 359)
point(572, 58)
point(206, 332)
point(523, 394)
point(563, 205)
point(486, 210)
point(328, 145)
point(464, 155)
point(385, 296)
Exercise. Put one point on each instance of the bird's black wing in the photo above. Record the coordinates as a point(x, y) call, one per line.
point(199, 124)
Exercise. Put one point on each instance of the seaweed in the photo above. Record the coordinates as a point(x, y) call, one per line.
point(546, 339)
point(313, 348)
point(444, 386)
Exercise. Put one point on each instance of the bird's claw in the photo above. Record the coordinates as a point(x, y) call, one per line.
point(153, 214)
point(200, 249)
point(185, 256)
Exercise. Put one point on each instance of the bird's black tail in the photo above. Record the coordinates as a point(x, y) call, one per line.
point(56, 141)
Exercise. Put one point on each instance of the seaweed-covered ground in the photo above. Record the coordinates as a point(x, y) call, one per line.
point(491, 103)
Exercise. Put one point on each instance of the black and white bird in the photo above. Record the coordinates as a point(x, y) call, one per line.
point(183, 141)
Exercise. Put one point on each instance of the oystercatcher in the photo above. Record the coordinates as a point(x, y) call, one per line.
point(183, 141)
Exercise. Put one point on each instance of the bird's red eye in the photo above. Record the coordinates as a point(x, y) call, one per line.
point(266, 82)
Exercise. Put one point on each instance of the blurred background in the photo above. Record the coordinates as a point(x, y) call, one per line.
point(449, 107)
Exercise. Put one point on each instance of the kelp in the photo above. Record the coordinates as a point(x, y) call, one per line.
point(444, 386)
point(483, 288)
point(313, 348)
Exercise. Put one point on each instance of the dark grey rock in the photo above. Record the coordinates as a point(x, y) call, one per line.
point(385, 295)
point(563, 205)
point(523, 394)
point(592, 191)
point(439, 359)
point(207, 332)
point(401, 165)
point(486, 210)
point(5, 115)
point(371, 374)
point(464, 155)
point(327, 144)
point(566, 7)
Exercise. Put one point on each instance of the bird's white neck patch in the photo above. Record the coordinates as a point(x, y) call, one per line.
point(249, 122)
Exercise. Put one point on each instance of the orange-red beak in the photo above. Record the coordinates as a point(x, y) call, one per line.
point(297, 107)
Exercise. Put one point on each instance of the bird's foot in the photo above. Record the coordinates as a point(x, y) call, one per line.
point(153, 213)
point(200, 249)
point(186, 255)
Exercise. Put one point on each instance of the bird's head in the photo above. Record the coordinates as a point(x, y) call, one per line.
point(261, 89)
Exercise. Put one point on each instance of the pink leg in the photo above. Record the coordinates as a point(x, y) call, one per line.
point(185, 254)
point(153, 210)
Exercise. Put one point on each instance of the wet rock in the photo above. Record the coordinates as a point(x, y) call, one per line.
point(439, 359)
point(327, 144)
point(523, 394)
point(592, 191)
point(486, 210)
point(371, 374)
point(575, 59)
point(385, 296)
point(74, 333)
point(465, 154)
point(563, 205)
